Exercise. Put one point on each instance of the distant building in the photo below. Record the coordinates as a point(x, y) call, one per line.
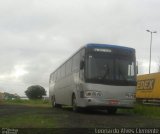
point(16, 95)
point(24, 98)
point(45, 97)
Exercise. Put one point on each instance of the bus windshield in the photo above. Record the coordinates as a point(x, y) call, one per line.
point(110, 69)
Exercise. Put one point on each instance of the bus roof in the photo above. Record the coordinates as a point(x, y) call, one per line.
point(96, 45)
point(93, 45)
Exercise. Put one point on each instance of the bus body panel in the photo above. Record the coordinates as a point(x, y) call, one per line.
point(74, 83)
point(63, 90)
point(120, 96)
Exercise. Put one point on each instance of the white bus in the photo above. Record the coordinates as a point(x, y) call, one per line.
point(99, 76)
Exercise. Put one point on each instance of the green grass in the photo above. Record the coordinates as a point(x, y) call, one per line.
point(41, 117)
point(144, 110)
point(36, 118)
point(34, 103)
point(1, 101)
point(27, 121)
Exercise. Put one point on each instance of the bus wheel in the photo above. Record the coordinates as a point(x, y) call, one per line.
point(112, 110)
point(54, 104)
point(74, 104)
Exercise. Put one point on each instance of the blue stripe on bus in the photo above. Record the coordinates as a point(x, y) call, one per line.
point(93, 45)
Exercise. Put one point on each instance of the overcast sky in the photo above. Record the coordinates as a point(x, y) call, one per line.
point(36, 36)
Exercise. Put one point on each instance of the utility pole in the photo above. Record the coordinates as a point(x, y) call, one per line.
point(150, 54)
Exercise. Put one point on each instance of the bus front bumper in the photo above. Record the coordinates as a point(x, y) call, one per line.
point(103, 103)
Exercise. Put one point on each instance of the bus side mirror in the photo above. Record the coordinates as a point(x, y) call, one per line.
point(81, 65)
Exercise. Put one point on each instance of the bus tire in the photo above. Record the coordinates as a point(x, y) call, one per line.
point(54, 104)
point(112, 110)
point(75, 108)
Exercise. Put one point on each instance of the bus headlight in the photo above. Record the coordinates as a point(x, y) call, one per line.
point(130, 95)
point(92, 93)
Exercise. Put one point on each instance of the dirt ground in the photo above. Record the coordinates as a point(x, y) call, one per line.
point(66, 118)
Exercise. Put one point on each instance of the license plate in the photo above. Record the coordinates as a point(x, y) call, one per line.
point(113, 102)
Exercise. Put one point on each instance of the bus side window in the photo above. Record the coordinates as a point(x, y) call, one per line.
point(82, 59)
point(60, 70)
point(63, 71)
point(58, 74)
point(82, 53)
point(68, 67)
point(55, 76)
point(76, 61)
point(50, 80)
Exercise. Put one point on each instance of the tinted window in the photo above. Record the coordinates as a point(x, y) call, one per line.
point(63, 71)
point(76, 61)
point(68, 66)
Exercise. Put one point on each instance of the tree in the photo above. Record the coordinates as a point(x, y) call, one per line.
point(35, 92)
point(11, 96)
